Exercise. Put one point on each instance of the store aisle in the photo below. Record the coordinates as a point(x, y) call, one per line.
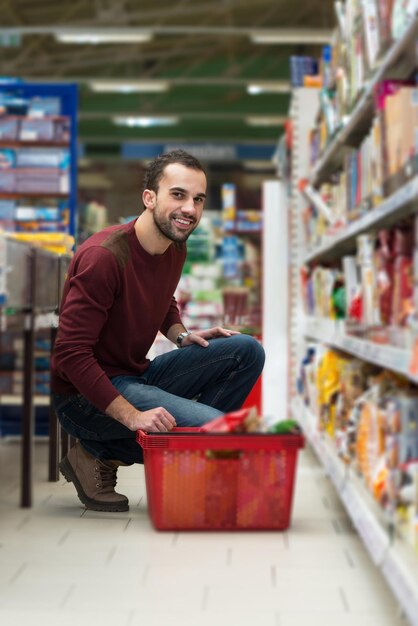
point(62, 565)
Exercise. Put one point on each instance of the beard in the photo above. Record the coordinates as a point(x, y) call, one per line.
point(168, 229)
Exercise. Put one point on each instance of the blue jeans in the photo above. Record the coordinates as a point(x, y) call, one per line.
point(194, 384)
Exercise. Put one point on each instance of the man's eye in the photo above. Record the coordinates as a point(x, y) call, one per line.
point(199, 200)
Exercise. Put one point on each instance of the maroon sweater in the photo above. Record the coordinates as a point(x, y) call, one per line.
point(115, 299)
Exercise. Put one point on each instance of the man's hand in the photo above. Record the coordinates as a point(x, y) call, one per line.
point(200, 337)
point(153, 420)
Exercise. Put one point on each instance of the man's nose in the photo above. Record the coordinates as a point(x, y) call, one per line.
point(189, 206)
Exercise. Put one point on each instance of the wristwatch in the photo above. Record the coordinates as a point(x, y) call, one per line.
point(179, 340)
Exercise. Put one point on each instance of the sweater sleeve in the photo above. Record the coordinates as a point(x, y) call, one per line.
point(172, 317)
point(89, 297)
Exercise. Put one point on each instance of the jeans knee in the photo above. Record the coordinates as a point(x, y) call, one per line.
point(251, 350)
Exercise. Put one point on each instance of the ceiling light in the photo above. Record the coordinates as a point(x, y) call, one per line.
point(277, 120)
point(268, 87)
point(144, 122)
point(101, 36)
point(126, 86)
point(290, 36)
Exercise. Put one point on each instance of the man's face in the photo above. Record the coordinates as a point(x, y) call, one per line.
point(179, 202)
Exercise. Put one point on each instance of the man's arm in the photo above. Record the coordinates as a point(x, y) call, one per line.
point(157, 419)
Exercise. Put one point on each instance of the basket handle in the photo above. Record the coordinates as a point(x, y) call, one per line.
point(222, 455)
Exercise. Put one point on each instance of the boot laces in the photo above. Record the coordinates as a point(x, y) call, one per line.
point(105, 475)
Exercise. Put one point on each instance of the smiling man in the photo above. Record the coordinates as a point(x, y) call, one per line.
point(118, 294)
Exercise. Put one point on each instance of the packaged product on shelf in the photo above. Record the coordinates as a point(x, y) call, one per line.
point(11, 104)
point(402, 276)
point(387, 112)
point(376, 164)
point(9, 128)
point(385, 28)
point(351, 281)
point(54, 158)
point(7, 180)
point(36, 129)
point(384, 258)
point(229, 206)
point(7, 214)
point(249, 220)
point(369, 291)
point(7, 159)
point(371, 31)
point(403, 12)
point(402, 461)
point(302, 381)
point(355, 50)
point(42, 181)
point(301, 66)
point(32, 213)
point(328, 389)
point(44, 107)
point(370, 443)
point(400, 137)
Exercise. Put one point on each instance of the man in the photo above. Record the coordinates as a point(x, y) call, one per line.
point(117, 296)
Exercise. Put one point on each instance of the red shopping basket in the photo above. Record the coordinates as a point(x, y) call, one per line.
point(209, 480)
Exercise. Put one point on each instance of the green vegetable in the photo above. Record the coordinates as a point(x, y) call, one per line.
point(285, 427)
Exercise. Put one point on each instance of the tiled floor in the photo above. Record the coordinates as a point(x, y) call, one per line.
point(62, 565)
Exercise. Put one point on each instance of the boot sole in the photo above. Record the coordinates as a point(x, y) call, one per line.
point(110, 507)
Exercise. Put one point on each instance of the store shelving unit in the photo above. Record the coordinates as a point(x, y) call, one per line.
point(398, 565)
point(333, 334)
point(399, 61)
point(67, 96)
point(393, 556)
point(394, 208)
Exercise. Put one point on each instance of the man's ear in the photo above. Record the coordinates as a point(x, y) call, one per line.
point(148, 198)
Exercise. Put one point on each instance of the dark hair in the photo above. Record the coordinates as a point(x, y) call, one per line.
point(155, 170)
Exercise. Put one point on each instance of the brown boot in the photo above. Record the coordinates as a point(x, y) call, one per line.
point(94, 480)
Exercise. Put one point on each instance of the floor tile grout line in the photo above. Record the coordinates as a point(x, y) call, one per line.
point(130, 617)
point(349, 558)
point(64, 538)
point(344, 599)
point(18, 572)
point(273, 575)
point(325, 503)
point(67, 596)
point(111, 554)
point(23, 522)
point(229, 556)
point(146, 573)
point(205, 598)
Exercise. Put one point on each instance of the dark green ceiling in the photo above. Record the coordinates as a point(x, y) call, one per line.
point(202, 47)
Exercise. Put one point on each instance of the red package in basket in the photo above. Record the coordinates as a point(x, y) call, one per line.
point(228, 423)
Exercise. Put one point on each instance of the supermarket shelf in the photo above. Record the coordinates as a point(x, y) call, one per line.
point(332, 333)
point(12, 400)
point(34, 144)
point(361, 116)
point(31, 194)
point(395, 559)
point(393, 208)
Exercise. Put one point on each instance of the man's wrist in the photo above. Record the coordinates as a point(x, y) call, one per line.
point(181, 337)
